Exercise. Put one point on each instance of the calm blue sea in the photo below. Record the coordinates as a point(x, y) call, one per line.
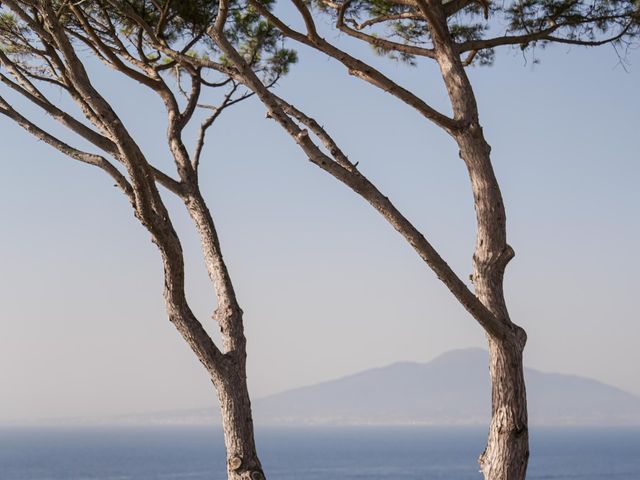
point(307, 453)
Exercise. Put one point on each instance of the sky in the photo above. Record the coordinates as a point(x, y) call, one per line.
point(327, 287)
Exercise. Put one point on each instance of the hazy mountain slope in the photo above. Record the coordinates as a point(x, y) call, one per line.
point(451, 389)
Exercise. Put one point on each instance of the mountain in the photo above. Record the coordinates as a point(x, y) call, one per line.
point(451, 389)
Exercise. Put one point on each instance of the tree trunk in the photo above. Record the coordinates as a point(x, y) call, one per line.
point(237, 422)
point(507, 452)
point(229, 376)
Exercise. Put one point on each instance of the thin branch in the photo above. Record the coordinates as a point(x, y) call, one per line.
point(216, 84)
point(470, 57)
point(114, 61)
point(84, 157)
point(387, 18)
point(586, 43)
point(167, 182)
point(31, 93)
point(209, 121)
point(318, 131)
point(312, 32)
point(161, 44)
point(361, 70)
point(506, 40)
point(192, 97)
point(227, 102)
point(377, 41)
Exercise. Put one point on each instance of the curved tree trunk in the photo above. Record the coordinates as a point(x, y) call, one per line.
point(229, 377)
point(227, 369)
point(507, 452)
point(139, 182)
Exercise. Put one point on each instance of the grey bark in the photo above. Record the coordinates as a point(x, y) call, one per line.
point(138, 181)
point(507, 451)
point(242, 459)
point(230, 379)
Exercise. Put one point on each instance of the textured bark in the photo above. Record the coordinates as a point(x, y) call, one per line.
point(138, 180)
point(237, 423)
point(229, 377)
point(507, 452)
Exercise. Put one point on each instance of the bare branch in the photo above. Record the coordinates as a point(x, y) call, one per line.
point(387, 18)
point(192, 98)
point(108, 53)
point(318, 131)
point(31, 93)
point(361, 70)
point(469, 60)
point(208, 122)
point(596, 43)
point(312, 32)
point(167, 182)
point(84, 157)
point(506, 40)
point(377, 41)
point(161, 45)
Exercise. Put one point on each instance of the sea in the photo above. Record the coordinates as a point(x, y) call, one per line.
point(321, 453)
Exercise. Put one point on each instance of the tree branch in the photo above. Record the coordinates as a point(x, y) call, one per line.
point(31, 93)
point(84, 157)
point(209, 121)
point(360, 184)
point(361, 70)
point(506, 40)
point(387, 18)
point(376, 41)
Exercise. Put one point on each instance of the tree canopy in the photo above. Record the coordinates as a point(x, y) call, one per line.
point(400, 28)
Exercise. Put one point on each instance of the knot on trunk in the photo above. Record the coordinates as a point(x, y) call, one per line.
point(506, 255)
point(235, 463)
point(520, 336)
point(494, 262)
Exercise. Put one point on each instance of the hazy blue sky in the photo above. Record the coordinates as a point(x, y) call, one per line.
point(327, 287)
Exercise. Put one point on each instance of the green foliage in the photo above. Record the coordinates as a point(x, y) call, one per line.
point(131, 30)
point(259, 42)
point(580, 20)
point(535, 21)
